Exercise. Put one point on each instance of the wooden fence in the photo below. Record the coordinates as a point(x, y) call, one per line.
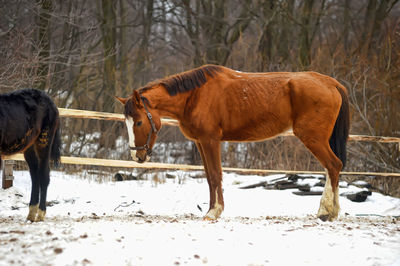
point(7, 175)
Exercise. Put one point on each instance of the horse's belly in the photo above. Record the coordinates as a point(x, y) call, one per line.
point(256, 127)
point(17, 142)
point(255, 133)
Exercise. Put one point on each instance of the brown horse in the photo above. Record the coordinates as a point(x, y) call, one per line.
point(215, 103)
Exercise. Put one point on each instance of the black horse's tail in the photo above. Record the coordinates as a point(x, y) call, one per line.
point(55, 153)
point(54, 124)
point(340, 132)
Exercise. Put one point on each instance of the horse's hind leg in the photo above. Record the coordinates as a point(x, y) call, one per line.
point(210, 154)
point(318, 144)
point(32, 161)
point(43, 152)
point(38, 161)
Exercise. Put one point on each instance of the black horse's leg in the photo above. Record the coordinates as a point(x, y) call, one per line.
point(32, 161)
point(43, 152)
point(44, 177)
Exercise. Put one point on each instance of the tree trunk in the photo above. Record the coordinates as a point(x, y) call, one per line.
point(108, 30)
point(192, 27)
point(123, 49)
point(143, 55)
point(285, 41)
point(305, 44)
point(221, 36)
point(265, 45)
point(43, 42)
point(346, 25)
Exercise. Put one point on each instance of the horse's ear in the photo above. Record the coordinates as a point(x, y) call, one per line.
point(136, 99)
point(121, 100)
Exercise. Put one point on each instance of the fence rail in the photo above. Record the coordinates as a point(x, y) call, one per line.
point(74, 113)
point(184, 167)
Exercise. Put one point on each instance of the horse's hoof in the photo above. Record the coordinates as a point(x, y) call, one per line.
point(328, 212)
point(40, 216)
point(207, 218)
point(30, 218)
point(324, 218)
point(32, 213)
point(327, 217)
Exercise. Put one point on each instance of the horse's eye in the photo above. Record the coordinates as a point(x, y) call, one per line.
point(138, 123)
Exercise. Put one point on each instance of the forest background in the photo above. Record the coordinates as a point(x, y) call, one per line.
point(83, 53)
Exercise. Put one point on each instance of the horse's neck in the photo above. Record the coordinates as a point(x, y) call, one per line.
point(166, 105)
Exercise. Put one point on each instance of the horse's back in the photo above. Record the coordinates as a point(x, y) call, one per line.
point(275, 91)
point(244, 106)
point(26, 102)
point(316, 93)
point(256, 106)
point(23, 114)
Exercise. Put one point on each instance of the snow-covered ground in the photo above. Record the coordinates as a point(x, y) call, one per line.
point(159, 222)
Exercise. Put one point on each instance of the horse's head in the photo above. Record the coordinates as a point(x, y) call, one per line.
point(142, 123)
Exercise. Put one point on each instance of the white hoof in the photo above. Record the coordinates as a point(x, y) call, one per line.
point(329, 205)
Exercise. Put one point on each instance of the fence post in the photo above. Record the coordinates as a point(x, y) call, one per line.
point(7, 174)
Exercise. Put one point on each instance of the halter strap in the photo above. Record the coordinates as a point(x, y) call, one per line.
point(153, 129)
point(149, 116)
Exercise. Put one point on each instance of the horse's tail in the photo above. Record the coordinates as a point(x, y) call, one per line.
point(55, 153)
point(340, 132)
point(54, 124)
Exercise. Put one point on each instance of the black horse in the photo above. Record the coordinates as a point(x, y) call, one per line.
point(30, 124)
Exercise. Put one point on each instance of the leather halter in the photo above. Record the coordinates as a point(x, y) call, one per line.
point(153, 129)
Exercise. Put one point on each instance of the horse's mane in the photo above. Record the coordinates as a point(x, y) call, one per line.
point(186, 81)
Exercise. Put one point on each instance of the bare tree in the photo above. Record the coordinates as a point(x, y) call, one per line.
point(109, 39)
point(375, 13)
point(211, 31)
point(84, 54)
point(43, 41)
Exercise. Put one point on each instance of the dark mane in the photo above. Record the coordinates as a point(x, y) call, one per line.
point(187, 81)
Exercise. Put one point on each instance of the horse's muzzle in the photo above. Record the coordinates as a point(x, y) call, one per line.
point(140, 159)
point(139, 156)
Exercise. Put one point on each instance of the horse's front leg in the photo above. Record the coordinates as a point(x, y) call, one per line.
point(32, 161)
point(44, 178)
point(42, 148)
point(210, 151)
